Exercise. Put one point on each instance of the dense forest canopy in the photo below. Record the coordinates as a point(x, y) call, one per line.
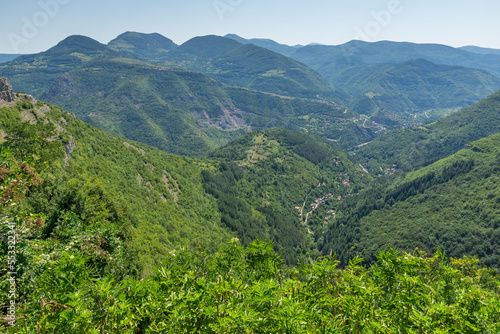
point(180, 204)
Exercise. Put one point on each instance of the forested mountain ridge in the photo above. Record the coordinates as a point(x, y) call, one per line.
point(190, 113)
point(413, 92)
point(284, 186)
point(250, 66)
point(384, 52)
point(399, 84)
point(333, 59)
point(156, 199)
point(175, 110)
point(162, 201)
point(34, 73)
point(411, 148)
point(336, 58)
point(225, 59)
point(451, 205)
point(149, 46)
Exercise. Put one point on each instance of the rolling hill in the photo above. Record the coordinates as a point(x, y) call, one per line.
point(293, 180)
point(35, 73)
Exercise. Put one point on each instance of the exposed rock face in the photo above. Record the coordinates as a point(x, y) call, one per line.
point(6, 92)
point(69, 150)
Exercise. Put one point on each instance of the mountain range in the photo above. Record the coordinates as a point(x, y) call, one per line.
point(397, 84)
point(238, 64)
point(304, 192)
point(176, 110)
point(334, 59)
point(294, 188)
point(217, 177)
point(483, 51)
point(396, 81)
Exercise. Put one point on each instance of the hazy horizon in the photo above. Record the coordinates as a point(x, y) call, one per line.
point(34, 26)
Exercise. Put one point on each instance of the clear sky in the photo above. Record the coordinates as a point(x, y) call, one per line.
point(30, 26)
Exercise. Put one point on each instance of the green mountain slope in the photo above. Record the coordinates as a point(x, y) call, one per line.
point(420, 146)
point(249, 188)
point(414, 87)
point(283, 186)
point(189, 113)
point(250, 66)
point(452, 205)
point(34, 73)
point(385, 80)
point(179, 112)
point(160, 196)
point(149, 46)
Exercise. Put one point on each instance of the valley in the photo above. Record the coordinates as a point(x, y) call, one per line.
point(226, 185)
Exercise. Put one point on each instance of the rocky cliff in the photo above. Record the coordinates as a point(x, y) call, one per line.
point(6, 92)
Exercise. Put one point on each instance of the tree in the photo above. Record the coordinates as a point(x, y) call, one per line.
point(34, 142)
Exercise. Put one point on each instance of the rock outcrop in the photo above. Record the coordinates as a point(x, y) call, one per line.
point(6, 92)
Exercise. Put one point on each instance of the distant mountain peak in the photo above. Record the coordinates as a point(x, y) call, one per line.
point(211, 39)
point(142, 43)
point(235, 37)
point(264, 42)
point(81, 42)
point(210, 45)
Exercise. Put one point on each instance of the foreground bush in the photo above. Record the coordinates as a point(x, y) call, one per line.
point(240, 290)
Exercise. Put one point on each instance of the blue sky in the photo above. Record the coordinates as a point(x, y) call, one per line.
point(30, 26)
